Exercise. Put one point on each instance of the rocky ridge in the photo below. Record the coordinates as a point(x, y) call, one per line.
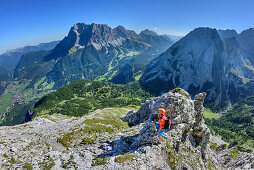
point(100, 140)
point(10, 58)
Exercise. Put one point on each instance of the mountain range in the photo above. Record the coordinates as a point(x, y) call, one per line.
point(10, 58)
point(93, 51)
point(217, 62)
point(79, 123)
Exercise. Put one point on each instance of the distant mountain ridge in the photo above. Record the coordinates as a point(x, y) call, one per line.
point(205, 61)
point(94, 51)
point(10, 58)
point(89, 51)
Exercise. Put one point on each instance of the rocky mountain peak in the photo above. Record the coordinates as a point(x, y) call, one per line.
point(187, 63)
point(203, 34)
point(202, 61)
point(227, 33)
point(148, 32)
point(99, 35)
point(246, 40)
point(125, 33)
point(248, 31)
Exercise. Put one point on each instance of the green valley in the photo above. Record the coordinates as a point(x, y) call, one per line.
point(84, 96)
point(236, 125)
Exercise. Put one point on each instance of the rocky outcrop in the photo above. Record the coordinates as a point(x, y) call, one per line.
point(186, 116)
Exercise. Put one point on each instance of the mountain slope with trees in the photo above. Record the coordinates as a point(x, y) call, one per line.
point(84, 96)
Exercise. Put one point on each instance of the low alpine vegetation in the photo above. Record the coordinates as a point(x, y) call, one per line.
point(124, 157)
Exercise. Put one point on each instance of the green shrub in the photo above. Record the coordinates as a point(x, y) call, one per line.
point(48, 165)
point(87, 140)
point(235, 153)
point(125, 157)
point(5, 155)
point(12, 161)
point(181, 91)
point(214, 146)
point(66, 140)
point(28, 166)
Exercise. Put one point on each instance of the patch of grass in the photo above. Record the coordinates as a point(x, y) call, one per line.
point(72, 50)
point(87, 140)
point(48, 165)
point(171, 156)
point(99, 161)
point(49, 86)
point(125, 157)
point(210, 165)
point(30, 99)
point(5, 155)
point(211, 115)
point(70, 162)
point(214, 146)
point(66, 140)
point(28, 166)
point(117, 123)
point(5, 101)
point(12, 161)
point(138, 77)
point(96, 128)
point(23, 86)
point(181, 91)
point(108, 122)
point(235, 153)
point(39, 82)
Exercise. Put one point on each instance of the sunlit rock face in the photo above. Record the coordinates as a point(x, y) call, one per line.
point(203, 61)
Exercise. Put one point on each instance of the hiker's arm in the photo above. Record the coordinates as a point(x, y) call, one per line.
point(153, 124)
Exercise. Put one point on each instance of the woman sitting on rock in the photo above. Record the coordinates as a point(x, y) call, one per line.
point(162, 124)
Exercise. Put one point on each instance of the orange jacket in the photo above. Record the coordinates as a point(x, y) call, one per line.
point(161, 122)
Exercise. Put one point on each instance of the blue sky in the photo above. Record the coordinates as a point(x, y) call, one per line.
point(29, 22)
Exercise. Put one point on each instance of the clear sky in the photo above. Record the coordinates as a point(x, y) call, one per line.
point(29, 22)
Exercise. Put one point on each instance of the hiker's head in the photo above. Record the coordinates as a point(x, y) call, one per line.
point(161, 111)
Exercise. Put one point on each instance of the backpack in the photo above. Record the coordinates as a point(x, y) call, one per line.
point(167, 122)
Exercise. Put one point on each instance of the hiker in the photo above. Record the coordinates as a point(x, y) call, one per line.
point(162, 124)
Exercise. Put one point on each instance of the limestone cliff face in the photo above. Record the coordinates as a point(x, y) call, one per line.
point(202, 61)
